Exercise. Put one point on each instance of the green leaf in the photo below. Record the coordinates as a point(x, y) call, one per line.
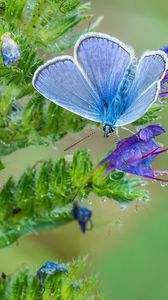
point(152, 115)
point(62, 43)
point(40, 122)
point(42, 198)
point(38, 27)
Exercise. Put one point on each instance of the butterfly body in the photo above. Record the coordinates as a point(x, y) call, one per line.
point(104, 82)
point(108, 129)
point(121, 96)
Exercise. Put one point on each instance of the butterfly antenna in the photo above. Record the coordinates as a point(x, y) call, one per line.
point(117, 139)
point(81, 140)
point(88, 28)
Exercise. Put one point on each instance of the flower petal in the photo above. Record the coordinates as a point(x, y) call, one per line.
point(165, 49)
point(150, 132)
point(136, 153)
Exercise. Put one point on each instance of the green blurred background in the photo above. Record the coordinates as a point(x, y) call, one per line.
point(128, 247)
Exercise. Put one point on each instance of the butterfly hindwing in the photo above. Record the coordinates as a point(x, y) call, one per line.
point(134, 112)
point(61, 81)
point(145, 87)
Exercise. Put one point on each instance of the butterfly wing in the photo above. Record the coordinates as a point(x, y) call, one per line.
point(136, 111)
point(105, 60)
point(61, 81)
point(84, 87)
point(145, 87)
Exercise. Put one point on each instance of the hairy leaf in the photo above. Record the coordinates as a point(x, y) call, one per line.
point(152, 115)
point(42, 198)
point(38, 27)
point(73, 284)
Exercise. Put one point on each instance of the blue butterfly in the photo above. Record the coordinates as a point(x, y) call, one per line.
point(104, 82)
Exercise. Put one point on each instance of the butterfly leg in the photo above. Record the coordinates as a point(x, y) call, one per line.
point(127, 129)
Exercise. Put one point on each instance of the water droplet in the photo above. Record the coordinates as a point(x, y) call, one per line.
point(69, 157)
point(144, 183)
point(104, 199)
point(82, 199)
point(54, 146)
point(163, 184)
point(111, 177)
point(18, 228)
point(90, 202)
point(124, 205)
point(161, 101)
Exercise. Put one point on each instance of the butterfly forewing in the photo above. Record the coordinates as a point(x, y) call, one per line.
point(105, 60)
point(61, 81)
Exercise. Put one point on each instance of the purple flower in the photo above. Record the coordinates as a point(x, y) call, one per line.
point(82, 215)
point(136, 153)
point(164, 83)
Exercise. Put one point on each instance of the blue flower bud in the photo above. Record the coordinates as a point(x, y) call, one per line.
point(10, 50)
point(49, 268)
point(82, 215)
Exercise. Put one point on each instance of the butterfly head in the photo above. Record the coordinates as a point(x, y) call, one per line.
point(107, 130)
